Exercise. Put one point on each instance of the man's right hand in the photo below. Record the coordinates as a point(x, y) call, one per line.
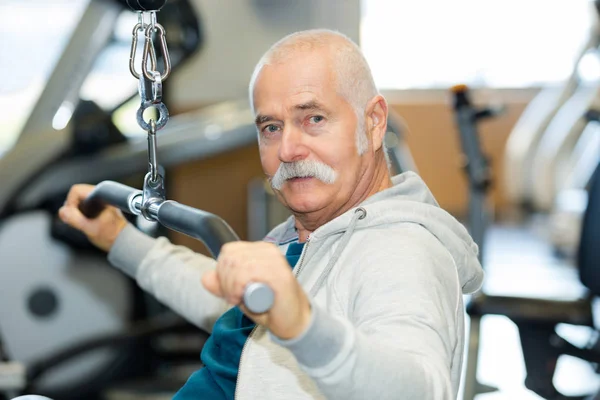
point(103, 230)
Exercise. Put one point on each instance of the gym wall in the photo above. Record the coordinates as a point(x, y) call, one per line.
point(237, 33)
point(434, 141)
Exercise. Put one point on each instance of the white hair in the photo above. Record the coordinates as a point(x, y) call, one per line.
point(303, 169)
point(352, 73)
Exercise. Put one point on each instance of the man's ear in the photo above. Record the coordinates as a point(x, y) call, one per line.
point(376, 121)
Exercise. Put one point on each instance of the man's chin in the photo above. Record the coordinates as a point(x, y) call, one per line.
point(302, 201)
point(300, 207)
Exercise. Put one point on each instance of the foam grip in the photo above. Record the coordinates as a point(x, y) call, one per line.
point(91, 207)
point(107, 193)
point(258, 298)
point(146, 5)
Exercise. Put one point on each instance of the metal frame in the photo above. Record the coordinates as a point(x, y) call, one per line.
point(190, 136)
point(38, 143)
point(478, 171)
point(90, 37)
point(525, 137)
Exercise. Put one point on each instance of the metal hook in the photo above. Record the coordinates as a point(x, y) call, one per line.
point(152, 163)
point(151, 53)
point(154, 188)
point(153, 19)
point(165, 51)
point(156, 87)
point(150, 90)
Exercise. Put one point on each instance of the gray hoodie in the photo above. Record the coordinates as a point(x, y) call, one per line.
point(385, 280)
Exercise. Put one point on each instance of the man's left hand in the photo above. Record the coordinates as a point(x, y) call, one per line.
point(241, 263)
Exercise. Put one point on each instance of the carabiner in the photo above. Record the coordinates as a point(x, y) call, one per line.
point(147, 49)
point(151, 53)
point(152, 163)
point(150, 90)
point(156, 87)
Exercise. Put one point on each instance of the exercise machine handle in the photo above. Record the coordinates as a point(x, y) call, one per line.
point(213, 231)
point(199, 224)
point(108, 193)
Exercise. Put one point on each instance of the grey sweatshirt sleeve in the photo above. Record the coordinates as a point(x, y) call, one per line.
point(403, 335)
point(130, 249)
point(170, 273)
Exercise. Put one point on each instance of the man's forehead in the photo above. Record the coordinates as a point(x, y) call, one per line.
point(293, 84)
point(294, 74)
point(306, 101)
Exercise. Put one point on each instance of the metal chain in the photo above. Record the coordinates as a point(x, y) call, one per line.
point(150, 91)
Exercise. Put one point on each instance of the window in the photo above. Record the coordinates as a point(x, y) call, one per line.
point(33, 34)
point(492, 43)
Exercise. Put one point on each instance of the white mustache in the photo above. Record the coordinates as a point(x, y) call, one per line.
point(303, 169)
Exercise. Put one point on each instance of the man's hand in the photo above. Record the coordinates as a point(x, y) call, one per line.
point(241, 263)
point(103, 230)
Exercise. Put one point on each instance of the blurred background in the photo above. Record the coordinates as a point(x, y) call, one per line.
point(494, 103)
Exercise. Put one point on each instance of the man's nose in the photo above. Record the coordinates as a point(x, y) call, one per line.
point(292, 147)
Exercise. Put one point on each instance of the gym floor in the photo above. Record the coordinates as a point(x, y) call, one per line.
point(514, 251)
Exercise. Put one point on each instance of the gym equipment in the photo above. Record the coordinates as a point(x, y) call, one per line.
point(478, 172)
point(586, 153)
point(151, 202)
point(64, 283)
point(536, 318)
point(92, 34)
point(207, 227)
point(477, 165)
point(146, 5)
point(553, 149)
point(550, 163)
point(527, 134)
point(399, 155)
point(566, 215)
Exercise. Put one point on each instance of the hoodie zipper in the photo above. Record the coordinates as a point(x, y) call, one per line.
point(304, 251)
point(300, 265)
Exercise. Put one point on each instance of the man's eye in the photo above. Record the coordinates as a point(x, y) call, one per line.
point(316, 119)
point(270, 129)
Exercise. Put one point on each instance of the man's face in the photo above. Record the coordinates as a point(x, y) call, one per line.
point(300, 116)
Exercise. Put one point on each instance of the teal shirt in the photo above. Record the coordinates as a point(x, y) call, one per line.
point(222, 351)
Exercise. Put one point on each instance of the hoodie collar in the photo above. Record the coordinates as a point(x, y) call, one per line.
point(407, 201)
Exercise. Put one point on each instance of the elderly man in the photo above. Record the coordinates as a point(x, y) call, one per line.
point(371, 307)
